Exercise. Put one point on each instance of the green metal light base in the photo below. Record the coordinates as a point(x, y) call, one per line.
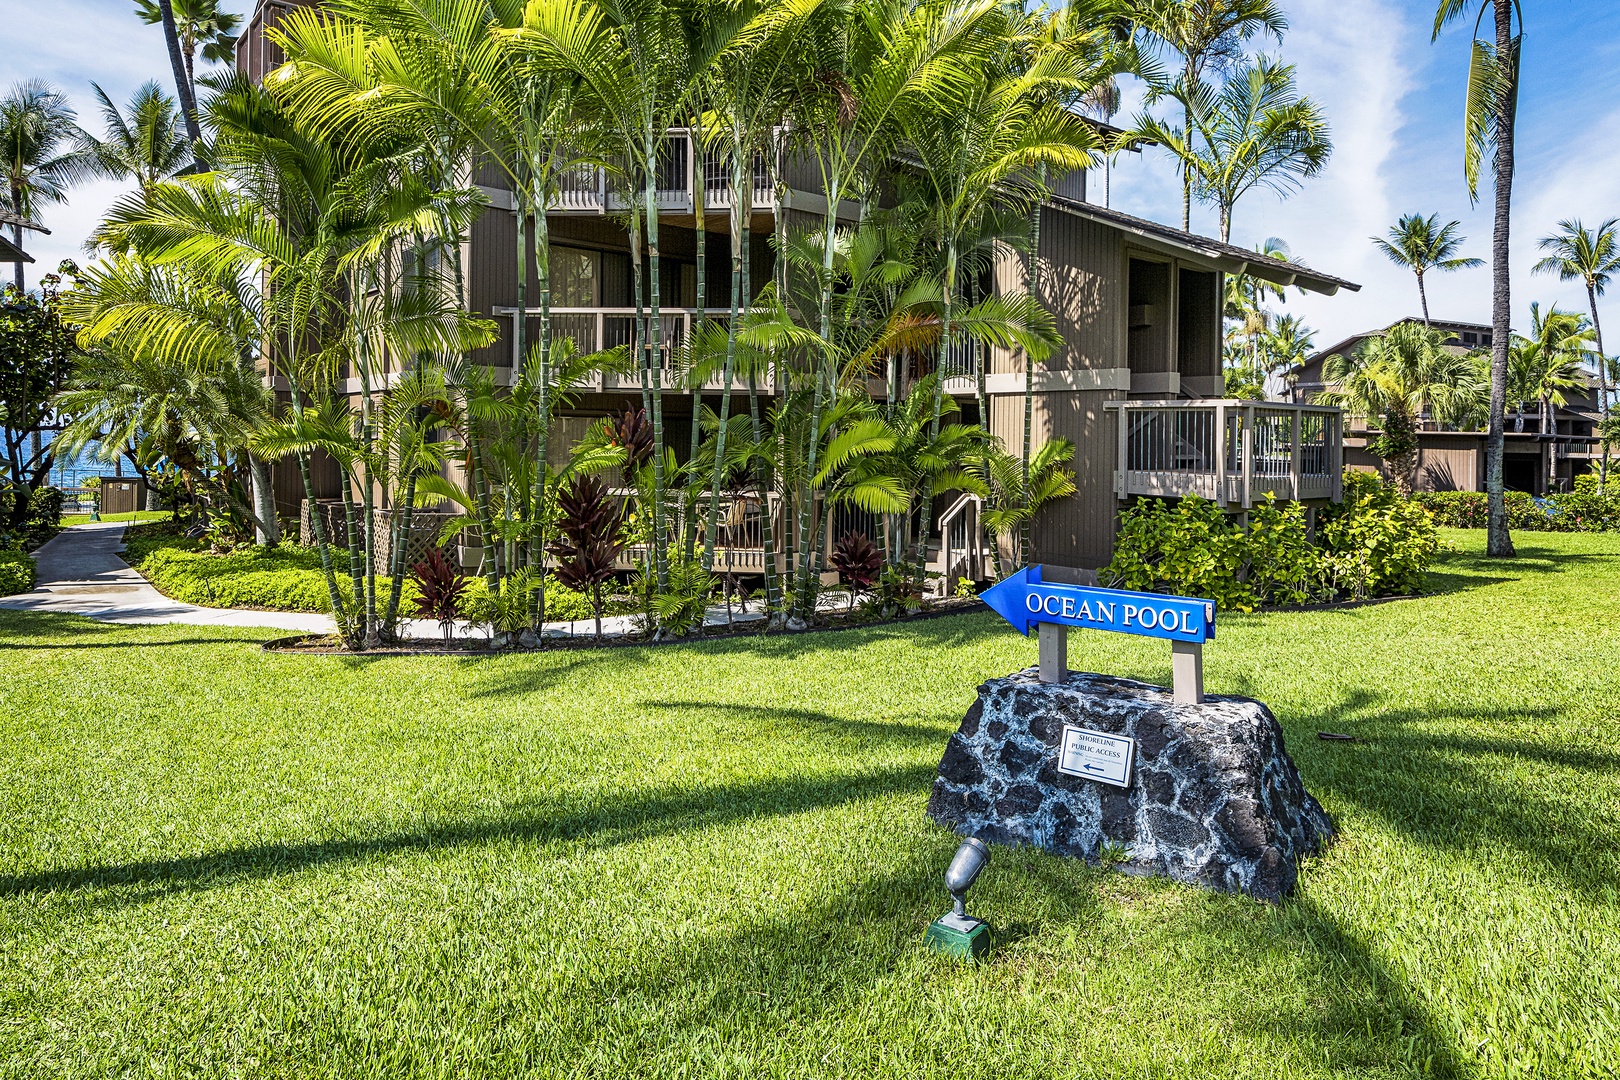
point(964, 939)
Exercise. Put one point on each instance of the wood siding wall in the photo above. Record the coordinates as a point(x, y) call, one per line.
point(1080, 285)
point(1077, 531)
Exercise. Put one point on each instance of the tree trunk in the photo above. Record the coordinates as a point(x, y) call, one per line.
point(947, 295)
point(1032, 285)
point(1498, 543)
point(1423, 298)
point(656, 333)
point(742, 209)
point(806, 504)
point(540, 492)
point(1191, 76)
point(1603, 387)
point(267, 530)
point(182, 77)
point(700, 187)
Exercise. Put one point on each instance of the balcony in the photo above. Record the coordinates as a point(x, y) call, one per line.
point(594, 329)
point(1231, 452)
point(589, 189)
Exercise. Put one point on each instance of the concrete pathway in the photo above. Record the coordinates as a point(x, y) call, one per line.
point(80, 573)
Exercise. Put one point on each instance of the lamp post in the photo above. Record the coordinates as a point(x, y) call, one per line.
point(956, 933)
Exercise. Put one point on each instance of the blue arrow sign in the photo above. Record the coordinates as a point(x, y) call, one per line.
point(1024, 600)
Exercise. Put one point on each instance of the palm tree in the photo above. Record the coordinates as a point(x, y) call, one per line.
point(1547, 363)
point(1422, 244)
point(147, 146)
point(1202, 33)
point(177, 64)
point(1395, 380)
point(757, 63)
point(42, 159)
point(1286, 344)
point(1256, 132)
point(1102, 103)
point(1575, 253)
point(974, 149)
point(1493, 97)
point(196, 23)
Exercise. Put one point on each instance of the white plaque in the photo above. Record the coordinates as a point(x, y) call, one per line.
point(1097, 755)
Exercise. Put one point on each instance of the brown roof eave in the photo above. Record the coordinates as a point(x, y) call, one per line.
point(1228, 258)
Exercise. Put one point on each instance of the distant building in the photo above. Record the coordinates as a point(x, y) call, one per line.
point(1450, 460)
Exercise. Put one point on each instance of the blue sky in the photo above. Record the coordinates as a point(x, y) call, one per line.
point(1394, 101)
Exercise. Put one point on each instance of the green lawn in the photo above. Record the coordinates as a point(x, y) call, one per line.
point(712, 860)
point(133, 515)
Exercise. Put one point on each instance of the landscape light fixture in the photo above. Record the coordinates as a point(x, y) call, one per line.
point(957, 933)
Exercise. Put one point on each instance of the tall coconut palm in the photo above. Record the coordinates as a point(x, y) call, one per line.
point(1422, 244)
point(197, 24)
point(1102, 103)
point(147, 146)
point(1591, 257)
point(1202, 34)
point(1396, 379)
point(177, 64)
point(1493, 99)
point(42, 156)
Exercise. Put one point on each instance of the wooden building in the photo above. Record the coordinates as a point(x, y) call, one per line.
point(1534, 461)
point(1137, 385)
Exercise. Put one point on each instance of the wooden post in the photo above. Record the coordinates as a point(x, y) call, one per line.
point(1248, 455)
point(1293, 453)
point(1186, 672)
point(1220, 457)
point(1121, 487)
point(1054, 643)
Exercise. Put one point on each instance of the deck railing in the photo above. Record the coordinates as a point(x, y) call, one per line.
point(596, 328)
point(1231, 452)
point(681, 171)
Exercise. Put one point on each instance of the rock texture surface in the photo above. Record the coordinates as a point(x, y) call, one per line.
point(1214, 798)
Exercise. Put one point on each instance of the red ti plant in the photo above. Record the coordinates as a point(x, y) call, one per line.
point(591, 535)
point(441, 586)
point(857, 561)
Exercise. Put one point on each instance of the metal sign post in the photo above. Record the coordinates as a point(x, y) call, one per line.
point(1025, 600)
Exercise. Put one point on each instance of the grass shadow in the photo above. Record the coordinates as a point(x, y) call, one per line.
point(603, 823)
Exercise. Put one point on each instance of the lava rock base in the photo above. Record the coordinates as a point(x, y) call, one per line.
point(1214, 798)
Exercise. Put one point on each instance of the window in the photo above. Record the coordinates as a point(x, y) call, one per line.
point(573, 277)
point(1470, 338)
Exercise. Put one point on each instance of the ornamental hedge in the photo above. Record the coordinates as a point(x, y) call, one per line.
point(1372, 543)
point(286, 577)
point(1582, 510)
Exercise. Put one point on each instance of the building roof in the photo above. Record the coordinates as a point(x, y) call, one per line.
point(11, 253)
point(9, 218)
point(1353, 340)
point(1228, 257)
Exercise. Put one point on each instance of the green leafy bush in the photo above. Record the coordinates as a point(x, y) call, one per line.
point(1582, 510)
point(16, 573)
point(1188, 546)
point(1373, 543)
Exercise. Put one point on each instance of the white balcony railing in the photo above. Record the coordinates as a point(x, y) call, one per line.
point(594, 329)
point(1231, 452)
point(591, 189)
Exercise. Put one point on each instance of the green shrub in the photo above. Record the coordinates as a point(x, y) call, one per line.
point(1373, 543)
point(1582, 510)
point(1188, 546)
point(16, 573)
point(284, 578)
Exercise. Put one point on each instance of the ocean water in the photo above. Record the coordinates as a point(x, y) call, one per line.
point(71, 473)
